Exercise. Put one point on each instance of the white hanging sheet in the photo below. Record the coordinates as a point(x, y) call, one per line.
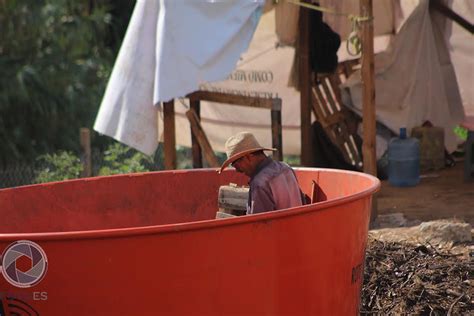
point(127, 112)
point(170, 48)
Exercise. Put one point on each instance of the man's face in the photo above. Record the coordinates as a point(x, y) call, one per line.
point(243, 165)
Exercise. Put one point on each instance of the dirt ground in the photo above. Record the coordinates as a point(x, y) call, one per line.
point(440, 194)
point(411, 270)
point(419, 270)
point(408, 278)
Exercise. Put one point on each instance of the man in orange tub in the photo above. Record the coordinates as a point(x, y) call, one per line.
point(273, 184)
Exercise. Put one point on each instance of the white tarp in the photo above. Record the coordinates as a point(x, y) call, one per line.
point(169, 49)
point(414, 79)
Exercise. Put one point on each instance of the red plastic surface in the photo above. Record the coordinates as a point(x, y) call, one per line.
point(148, 244)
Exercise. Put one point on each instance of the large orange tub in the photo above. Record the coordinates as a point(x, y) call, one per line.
point(148, 244)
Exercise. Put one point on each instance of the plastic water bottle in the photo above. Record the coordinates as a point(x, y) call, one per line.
point(404, 160)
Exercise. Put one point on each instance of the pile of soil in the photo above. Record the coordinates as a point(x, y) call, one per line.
point(417, 279)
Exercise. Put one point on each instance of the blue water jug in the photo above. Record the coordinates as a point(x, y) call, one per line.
point(404, 160)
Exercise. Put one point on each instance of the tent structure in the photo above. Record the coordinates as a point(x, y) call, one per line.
point(261, 70)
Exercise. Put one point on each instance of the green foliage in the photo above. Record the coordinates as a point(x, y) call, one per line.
point(292, 160)
point(120, 159)
point(460, 132)
point(59, 166)
point(55, 59)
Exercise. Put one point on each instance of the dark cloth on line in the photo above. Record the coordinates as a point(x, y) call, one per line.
point(324, 43)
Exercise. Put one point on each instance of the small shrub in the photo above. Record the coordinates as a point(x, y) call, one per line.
point(119, 159)
point(58, 166)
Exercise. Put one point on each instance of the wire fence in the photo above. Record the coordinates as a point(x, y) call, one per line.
point(17, 174)
point(22, 173)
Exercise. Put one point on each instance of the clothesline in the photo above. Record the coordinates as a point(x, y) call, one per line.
point(352, 17)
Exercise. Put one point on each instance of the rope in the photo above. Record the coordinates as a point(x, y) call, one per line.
point(354, 42)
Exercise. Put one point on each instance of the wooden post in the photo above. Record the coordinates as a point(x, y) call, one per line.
point(368, 117)
point(368, 111)
point(169, 135)
point(305, 87)
point(85, 139)
point(201, 138)
point(196, 148)
point(276, 130)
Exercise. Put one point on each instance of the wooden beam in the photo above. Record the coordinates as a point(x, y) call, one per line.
point(448, 12)
point(234, 99)
point(273, 104)
point(368, 117)
point(195, 105)
point(305, 87)
point(169, 135)
point(201, 138)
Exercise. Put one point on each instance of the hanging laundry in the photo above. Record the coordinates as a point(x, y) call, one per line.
point(127, 112)
point(170, 48)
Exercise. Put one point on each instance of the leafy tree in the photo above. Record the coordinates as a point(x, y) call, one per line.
point(55, 59)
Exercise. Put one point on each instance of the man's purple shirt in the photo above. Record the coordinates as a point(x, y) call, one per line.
point(273, 187)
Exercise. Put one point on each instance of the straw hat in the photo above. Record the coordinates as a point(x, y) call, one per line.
point(239, 145)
